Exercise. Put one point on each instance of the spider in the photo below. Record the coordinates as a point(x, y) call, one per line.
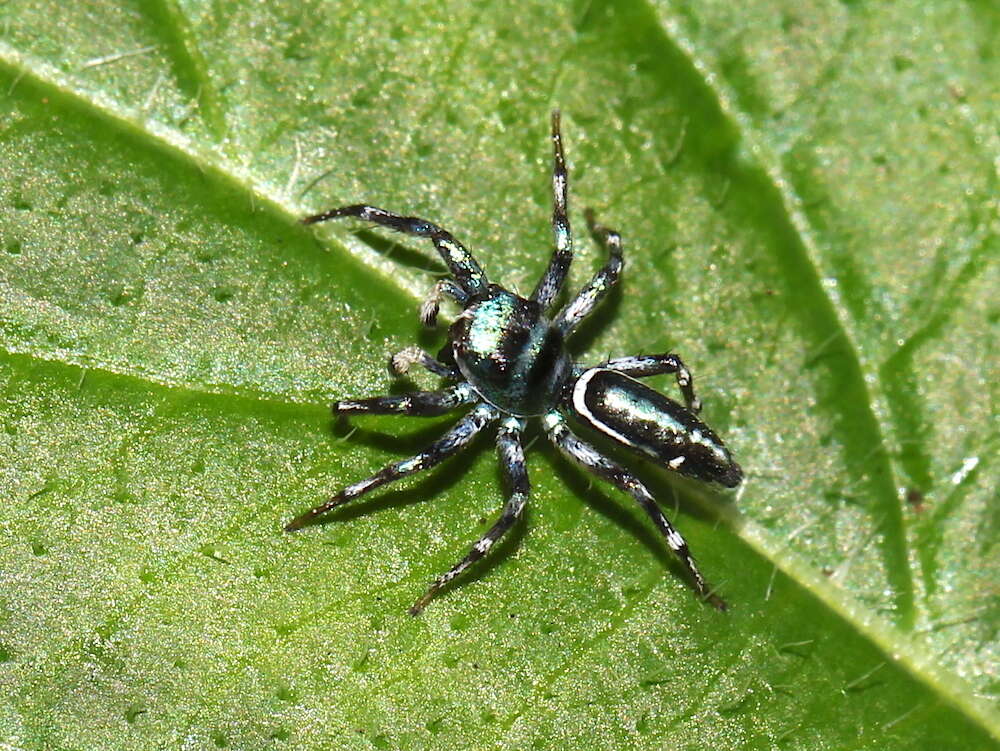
point(506, 356)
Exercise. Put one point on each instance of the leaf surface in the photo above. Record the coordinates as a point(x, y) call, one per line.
point(808, 196)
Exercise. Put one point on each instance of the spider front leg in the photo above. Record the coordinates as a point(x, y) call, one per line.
point(552, 281)
point(463, 266)
point(516, 474)
point(414, 404)
point(448, 445)
point(590, 459)
point(641, 366)
point(598, 287)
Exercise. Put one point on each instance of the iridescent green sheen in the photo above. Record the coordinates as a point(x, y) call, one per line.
point(511, 353)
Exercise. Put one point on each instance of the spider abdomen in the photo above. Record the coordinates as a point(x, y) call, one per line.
point(511, 353)
point(652, 424)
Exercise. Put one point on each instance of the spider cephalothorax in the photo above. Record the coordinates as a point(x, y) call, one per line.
point(508, 358)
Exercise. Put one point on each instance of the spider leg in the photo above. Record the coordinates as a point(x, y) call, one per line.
point(590, 459)
point(640, 366)
point(598, 287)
point(400, 363)
point(429, 310)
point(414, 404)
point(512, 463)
point(466, 271)
point(448, 445)
point(552, 281)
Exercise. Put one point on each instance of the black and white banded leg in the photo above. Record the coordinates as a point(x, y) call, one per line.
point(414, 404)
point(429, 310)
point(598, 287)
point(463, 266)
point(554, 276)
point(448, 445)
point(515, 472)
point(642, 366)
point(400, 363)
point(588, 457)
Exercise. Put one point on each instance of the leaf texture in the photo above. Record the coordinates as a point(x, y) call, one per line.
point(808, 196)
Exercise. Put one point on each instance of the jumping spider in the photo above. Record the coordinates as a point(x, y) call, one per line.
point(508, 358)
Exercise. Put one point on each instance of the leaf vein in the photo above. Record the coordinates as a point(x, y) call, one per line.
point(793, 243)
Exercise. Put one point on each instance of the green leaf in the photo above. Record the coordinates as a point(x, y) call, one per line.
point(808, 195)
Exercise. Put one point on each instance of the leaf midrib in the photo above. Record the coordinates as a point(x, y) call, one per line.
point(806, 253)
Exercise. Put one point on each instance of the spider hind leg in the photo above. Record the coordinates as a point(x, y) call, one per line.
point(593, 461)
point(456, 439)
point(511, 456)
point(643, 366)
